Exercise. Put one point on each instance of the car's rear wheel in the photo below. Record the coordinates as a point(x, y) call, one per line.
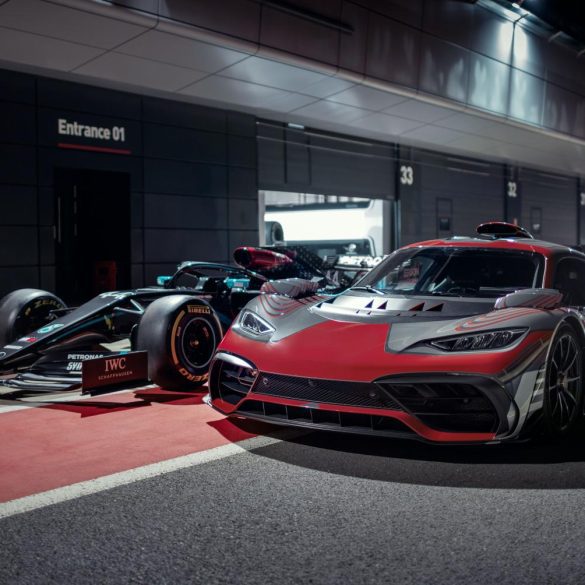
point(26, 310)
point(563, 393)
point(180, 334)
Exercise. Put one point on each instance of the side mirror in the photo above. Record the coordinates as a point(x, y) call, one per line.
point(536, 298)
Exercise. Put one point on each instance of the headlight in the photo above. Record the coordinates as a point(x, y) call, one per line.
point(255, 325)
point(479, 341)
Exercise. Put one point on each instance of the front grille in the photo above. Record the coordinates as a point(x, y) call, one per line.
point(325, 419)
point(364, 394)
point(446, 406)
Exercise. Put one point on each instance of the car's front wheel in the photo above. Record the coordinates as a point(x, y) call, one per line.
point(180, 334)
point(563, 393)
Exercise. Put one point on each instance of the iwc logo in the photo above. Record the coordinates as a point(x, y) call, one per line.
point(116, 364)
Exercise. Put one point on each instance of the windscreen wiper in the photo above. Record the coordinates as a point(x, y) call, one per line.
point(438, 293)
point(369, 288)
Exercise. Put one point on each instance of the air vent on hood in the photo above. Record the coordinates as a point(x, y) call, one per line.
point(418, 308)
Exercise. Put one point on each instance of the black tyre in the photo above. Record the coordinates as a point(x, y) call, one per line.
point(563, 391)
point(180, 334)
point(24, 311)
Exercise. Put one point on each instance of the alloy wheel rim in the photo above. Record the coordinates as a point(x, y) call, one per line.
point(564, 381)
point(198, 343)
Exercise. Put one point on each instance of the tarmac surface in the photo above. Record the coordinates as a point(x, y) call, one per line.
point(315, 508)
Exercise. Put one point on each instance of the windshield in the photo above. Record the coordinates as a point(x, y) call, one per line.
point(456, 272)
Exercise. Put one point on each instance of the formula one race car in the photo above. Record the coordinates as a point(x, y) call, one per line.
point(459, 340)
point(45, 346)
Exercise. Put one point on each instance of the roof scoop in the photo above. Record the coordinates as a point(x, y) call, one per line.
point(502, 229)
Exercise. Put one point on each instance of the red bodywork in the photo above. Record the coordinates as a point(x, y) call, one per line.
point(259, 259)
point(358, 354)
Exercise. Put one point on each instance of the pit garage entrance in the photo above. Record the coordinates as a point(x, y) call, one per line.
point(92, 232)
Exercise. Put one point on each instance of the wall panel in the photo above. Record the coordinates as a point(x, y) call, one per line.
point(450, 19)
point(299, 36)
point(444, 69)
point(170, 176)
point(19, 277)
point(408, 11)
point(318, 162)
point(561, 109)
point(180, 154)
point(18, 205)
point(17, 123)
point(526, 97)
point(18, 164)
point(393, 51)
point(174, 245)
point(184, 144)
point(25, 252)
point(472, 190)
point(239, 18)
point(557, 198)
point(184, 212)
point(352, 47)
point(485, 72)
point(77, 97)
point(183, 115)
point(17, 87)
point(243, 214)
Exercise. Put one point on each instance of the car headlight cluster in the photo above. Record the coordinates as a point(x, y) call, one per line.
point(252, 323)
point(479, 341)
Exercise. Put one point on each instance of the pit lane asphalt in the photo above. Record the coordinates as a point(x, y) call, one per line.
point(321, 508)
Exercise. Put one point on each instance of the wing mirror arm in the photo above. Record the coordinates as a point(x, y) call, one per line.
point(536, 298)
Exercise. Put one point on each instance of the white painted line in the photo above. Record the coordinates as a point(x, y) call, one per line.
point(15, 405)
point(107, 482)
point(7, 406)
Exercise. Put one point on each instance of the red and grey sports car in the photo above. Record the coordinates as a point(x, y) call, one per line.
point(459, 340)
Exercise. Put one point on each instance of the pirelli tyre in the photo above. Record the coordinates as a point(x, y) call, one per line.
point(180, 334)
point(26, 310)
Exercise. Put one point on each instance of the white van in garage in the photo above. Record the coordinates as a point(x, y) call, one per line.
point(350, 226)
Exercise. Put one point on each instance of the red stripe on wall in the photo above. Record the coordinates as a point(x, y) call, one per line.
point(94, 148)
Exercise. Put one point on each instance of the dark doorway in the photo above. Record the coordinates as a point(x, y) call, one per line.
point(92, 239)
point(536, 221)
point(444, 217)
